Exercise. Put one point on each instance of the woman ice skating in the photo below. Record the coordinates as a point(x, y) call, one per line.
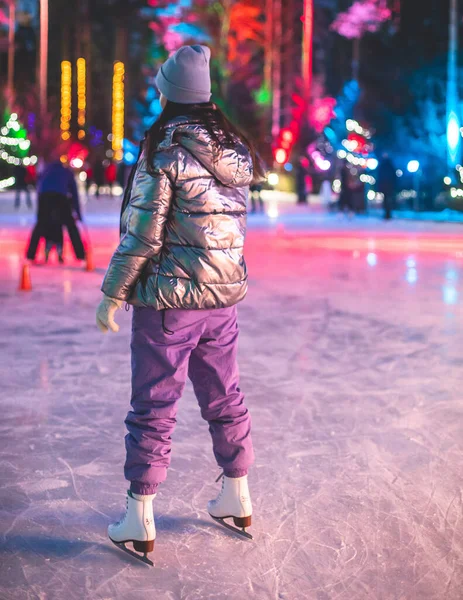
point(180, 264)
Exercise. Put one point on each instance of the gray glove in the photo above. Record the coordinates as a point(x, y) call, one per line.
point(105, 314)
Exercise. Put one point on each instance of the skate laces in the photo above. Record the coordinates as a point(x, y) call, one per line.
point(126, 511)
point(222, 475)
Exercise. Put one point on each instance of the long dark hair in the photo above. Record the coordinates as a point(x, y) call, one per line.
point(221, 130)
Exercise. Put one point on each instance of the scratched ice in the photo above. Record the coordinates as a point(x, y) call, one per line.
point(351, 357)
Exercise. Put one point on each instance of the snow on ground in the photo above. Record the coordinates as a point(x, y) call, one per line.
point(351, 357)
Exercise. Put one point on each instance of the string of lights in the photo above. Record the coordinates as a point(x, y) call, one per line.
point(118, 110)
point(19, 145)
point(14, 160)
point(66, 99)
point(81, 96)
point(4, 183)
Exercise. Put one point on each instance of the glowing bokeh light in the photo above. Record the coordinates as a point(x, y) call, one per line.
point(81, 95)
point(273, 179)
point(66, 99)
point(118, 110)
point(281, 156)
point(413, 166)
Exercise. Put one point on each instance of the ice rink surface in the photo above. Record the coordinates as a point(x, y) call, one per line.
point(352, 361)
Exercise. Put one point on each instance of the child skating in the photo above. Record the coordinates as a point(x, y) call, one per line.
point(180, 264)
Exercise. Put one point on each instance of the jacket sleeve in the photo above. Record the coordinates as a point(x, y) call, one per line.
point(143, 235)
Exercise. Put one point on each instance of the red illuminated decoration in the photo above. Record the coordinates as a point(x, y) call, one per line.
point(321, 113)
point(284, 144)
point(281, 156)
point(287, 136)
point(359, 144)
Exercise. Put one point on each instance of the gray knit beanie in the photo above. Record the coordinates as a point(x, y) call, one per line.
point(185, 77)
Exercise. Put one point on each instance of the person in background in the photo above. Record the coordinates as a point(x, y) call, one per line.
point(346, 200)
point(58, 206)
point(21, 185)
point(110, 176)
point(98, 176)
point(301, 180)
point(386, 181)
point(89, 180)
point(326, 193)
point(256, 197)
point(31, 178)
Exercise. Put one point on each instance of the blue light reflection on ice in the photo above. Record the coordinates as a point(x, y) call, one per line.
point(372, 259)
point(451, 275)
point(450, 294)
point(412, 275)
point(411, 262)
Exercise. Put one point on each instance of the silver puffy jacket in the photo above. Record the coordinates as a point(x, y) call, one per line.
point(183, 228)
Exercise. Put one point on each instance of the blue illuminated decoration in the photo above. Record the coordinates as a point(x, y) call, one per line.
point(413, 166)
point(453, 137)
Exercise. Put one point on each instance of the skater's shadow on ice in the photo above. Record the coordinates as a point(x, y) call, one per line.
point(42, 546)
point(189, 525)
point(62, 548)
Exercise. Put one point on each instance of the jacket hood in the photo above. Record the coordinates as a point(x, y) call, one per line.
point(232, 166)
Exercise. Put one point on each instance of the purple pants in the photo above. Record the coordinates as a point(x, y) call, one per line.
point(203, 346)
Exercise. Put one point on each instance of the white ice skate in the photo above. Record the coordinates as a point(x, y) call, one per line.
point(233, 502)
point(137, 526)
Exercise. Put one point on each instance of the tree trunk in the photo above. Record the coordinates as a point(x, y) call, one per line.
point(43, 69)
point(307, 57)
point(268, 44)
point(356, 58)
point(276, 79)
point(11, 48)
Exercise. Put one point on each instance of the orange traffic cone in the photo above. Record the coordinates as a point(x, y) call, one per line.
point(25, 284)
point(90, 264)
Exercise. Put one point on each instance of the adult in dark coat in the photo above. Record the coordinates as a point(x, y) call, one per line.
point(301, 183)
point(21, 185)
point(346, 199)
point(58, 205)
point(386, 181)
point(98, 176)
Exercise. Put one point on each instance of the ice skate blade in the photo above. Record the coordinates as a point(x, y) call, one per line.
point(241, 532)
point(142, 558)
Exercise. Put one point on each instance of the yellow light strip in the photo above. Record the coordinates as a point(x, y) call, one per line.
point(81, 95)
point(118, 110)
point(66, 80)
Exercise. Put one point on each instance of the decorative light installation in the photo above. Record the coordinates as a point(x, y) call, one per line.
point(4, 183)
point(118, 110)
point(452, 96)
point(413, 166)
point(14, 145)
point(66, 81)
point(281, 156)
point(81, 96)
point(273, 179)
